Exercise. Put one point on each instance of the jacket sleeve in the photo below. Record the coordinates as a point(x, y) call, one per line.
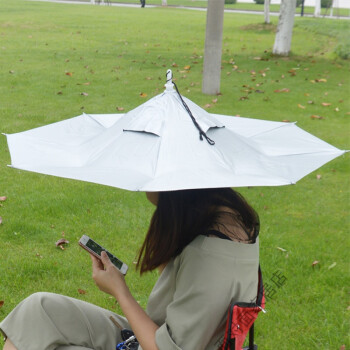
point(200, 303)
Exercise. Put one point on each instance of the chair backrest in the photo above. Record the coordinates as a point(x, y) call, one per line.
point(240, 321)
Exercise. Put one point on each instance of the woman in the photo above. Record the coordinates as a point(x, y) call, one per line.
point(204, 243)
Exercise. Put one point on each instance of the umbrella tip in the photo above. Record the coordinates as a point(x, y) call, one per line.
point(169, 86)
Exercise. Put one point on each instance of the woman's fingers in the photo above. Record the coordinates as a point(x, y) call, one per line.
point(100, 264)
point(96, 263)
point(105, 259)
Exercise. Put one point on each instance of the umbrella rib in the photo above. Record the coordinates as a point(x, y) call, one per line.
point(93, 119)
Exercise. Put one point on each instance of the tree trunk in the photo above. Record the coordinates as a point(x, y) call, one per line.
point(267, 11)
point(317, 12)
point(284, 32)
point(213, 47)
point(164, 3)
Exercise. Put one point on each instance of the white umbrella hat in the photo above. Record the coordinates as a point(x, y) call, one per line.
point(170, 143)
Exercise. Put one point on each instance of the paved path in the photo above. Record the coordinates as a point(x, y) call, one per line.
point(181, 7)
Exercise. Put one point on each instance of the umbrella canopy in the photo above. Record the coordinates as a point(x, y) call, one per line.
point(156, 147)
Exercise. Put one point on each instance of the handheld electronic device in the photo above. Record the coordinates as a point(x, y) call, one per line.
point(95, 249)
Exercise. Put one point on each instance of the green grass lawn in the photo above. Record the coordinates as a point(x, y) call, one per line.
point(51, 53)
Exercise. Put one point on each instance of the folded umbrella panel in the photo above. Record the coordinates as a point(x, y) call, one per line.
point(247, 127)
point(63, 144)
point(233, 159)
point(132, 152)
point(290, 139)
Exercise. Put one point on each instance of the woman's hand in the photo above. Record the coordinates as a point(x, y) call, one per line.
point(107, 277)
point(110, 280)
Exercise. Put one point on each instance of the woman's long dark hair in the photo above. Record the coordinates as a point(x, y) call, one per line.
point(181, 216)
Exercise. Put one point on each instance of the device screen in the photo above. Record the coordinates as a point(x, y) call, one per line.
point(98, 249)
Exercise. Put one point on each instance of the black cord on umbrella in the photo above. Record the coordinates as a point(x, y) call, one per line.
point(201, 132)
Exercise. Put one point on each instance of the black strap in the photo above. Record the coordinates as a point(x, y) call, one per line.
point(260, 288)
point(201, 132)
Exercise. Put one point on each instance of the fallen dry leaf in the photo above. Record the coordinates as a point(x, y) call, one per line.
point(332, 265)
point(326, 104)
point(187, 67)
point(336, 109)
point(120, 109)
point(81, 291)
point(286, 121)
point(342, 347)
point(69, 73)
point(1, 303)
point(315, 263)
point(174, 65)
point(3, 198)
point(143, 94)
point(84, 94)
point(61, 242)
point(318, 176)
point(316, 117)
point(208, 105)
point(301, 106)
point(281, 249)
point(0, 220)
point(214, 100)
point(282, 90)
